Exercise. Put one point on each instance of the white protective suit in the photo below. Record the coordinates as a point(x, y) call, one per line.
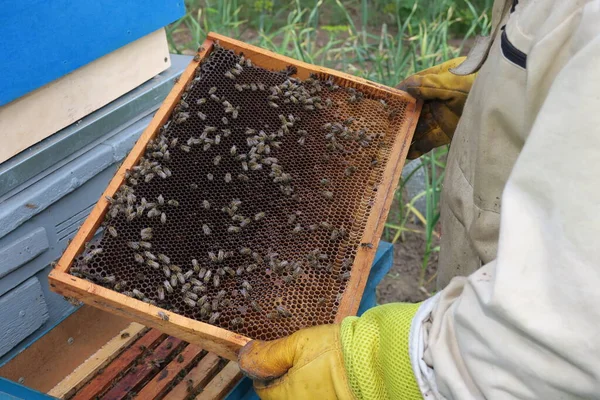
point(521, 215)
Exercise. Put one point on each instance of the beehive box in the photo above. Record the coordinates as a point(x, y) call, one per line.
point(251, 206)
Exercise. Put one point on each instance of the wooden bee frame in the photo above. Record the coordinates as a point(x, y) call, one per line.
point(221, 341)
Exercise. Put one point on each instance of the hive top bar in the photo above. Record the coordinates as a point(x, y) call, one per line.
point(255, 206)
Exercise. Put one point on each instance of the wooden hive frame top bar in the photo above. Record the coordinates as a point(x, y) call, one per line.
point(220, 341)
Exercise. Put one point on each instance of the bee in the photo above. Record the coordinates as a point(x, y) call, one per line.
point(321, 301)
point(167, 271)
point(133, 245)
point(212, 90)
point(281, 310)
point(149, 255)
point(191, 295)
point(201, 101)
point(298, 229)
point(163, 218)
point(163, 258)
point(153, 264)
point(174, 281)
point(220, 271)
point(255, 306)
point(209, 176)
point(161, 293)
point(260, 86)
point(243, 177)
point(233, 150)
point(189, 302)
point(273, 104)
point(366, 245)
point(215, 304)
point(259, 216)
point(224, 120)
point(202, 300)
point(145, 245)
point(113, 232)
point(246, 285)
point(245, 251)
point(244, 293)
point(146, 233)
point(206, 229)
point(163, 316)
point(180, 277)
point(214, 317)
point(201, 115)
point(327, 126)
point(216, 160)
point(292, 218)
point(227, 177)
point(236, 322)
point(173, 203)
point(229, 75)
point(238, 87)
point(138, 258)
point(248, 62)
point(207, 276)
point(325, 225)
point(216, 98)
point(138, 294)
point(185, 148)
point(234, 229)
point(350, 170)
point(327, 194)
point(302, 141)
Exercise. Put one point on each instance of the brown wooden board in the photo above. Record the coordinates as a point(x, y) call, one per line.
point(221, 384)
point(221, 341)
point(121, 364)
point(159, 385)
point(197, 378)
point(136, 377)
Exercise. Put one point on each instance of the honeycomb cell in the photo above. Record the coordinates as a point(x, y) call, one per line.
point(244, 163)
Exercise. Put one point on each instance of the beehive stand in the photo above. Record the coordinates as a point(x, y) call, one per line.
point(334, 207)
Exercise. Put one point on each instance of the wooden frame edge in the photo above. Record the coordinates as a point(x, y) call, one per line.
point(218, 340)
point(352, 296)
point(212, 338)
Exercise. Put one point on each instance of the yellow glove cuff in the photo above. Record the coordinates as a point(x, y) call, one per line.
point(376, 357)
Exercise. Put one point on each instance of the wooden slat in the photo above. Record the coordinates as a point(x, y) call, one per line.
point(211, 338)
point(197, 377)
point(135, 378)
point(102, 381)
point(157, 387)
point(83, 373)
point(221, 384)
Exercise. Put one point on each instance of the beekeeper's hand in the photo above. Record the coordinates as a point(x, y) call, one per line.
point(444, 95)
point(364, 357)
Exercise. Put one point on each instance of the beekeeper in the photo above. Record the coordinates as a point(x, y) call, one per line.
point(519, 313)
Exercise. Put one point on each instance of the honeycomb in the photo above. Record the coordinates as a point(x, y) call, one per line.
point(248, 207)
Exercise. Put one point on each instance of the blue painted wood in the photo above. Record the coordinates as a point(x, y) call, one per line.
point(22, 311)
point(22, 250)
point(66, 189)
point(10, 390)
point(44, 40)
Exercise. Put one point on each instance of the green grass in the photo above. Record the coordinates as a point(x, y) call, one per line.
point(383, 41)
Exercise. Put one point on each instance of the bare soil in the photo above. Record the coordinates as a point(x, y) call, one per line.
point(401, 284)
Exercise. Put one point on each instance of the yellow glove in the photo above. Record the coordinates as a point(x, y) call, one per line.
point(444, 95)
point(364, 358)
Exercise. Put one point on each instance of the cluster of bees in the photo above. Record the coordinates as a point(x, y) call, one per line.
point(192, 283)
